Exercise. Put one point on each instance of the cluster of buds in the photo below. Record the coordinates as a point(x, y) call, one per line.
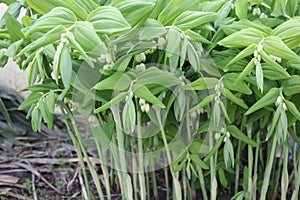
point(218, 92)
point(151, 50)
point(256, 11)
point(140, 58)
point(279, 102)
point(257, 55)
point(275, 58)
point(106, 60)
point(141, 67)
point(223, 132)
point(161, 42)
point(64, 38)
point(145, 107)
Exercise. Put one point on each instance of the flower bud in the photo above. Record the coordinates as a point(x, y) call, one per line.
point(147, 108)
point(142, 57)
point(255, 53)
point(227, 134)
point(217, 136)
point(142, 102)
point(260, 47)
point(161, 41)
point(225, 139)
point(263, 16)
point(279, 100)
point(284, 106)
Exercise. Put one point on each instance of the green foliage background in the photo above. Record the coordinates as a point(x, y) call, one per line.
point(238, 59)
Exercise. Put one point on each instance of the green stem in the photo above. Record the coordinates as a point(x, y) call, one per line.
point(213, 179)
point(285, 175)
point(255, 165)
point(140, 156)
point(237, 168)
point(79, 154)
point(202, 183)
point(266, 180)
point(250, 163)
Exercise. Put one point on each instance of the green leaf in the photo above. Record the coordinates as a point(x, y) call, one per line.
point(214, 149)
point(143, 92)
point(222, 178)
point(236, 133)
point(202, 84)
point(153, 75)
point(242, 54)
point(66, 66)
point(242, 38)
point(48, 38)
point(274, 64)
point(228, 81)
point(103, 134)
point(85, 34)
point(13, 27)
point(44, 87)
point(151, 29)
point(46, 6)
point(129, 117)
point(292, 108)
point(194, 19)
point(179, 106)
point(245, 72)
point(268, 99)
point(57, 16)
point(108, 20)
point(118, 81)
point(291, 86)
point(233, 98)
point(57, 58)
point(274, 123)
point(259, 77)
point(203, 103)
point(33, 98)
point(130, 9)
point(275, 46)
point(241, 9)
point(289, 32)
point(198, 161)
point(120, 97)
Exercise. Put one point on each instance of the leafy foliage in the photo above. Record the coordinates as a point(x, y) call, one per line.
point(207, 81)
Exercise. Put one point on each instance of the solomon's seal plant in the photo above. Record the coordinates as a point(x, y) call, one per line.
point(204, 91)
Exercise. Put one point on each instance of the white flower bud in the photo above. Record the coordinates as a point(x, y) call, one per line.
point(227, 134)
point(217, 136)
point(255, 53)
point(107, 67)
point(126, 98)
point(142, 57)
point(263, 16)
point(259, 58)
point(217, 87)
point(142, 102)
point(284, 106)
point(147, 108)
point(260, 47)
point(278, 59)
point(141, 67)
point(225, 139)
point(161, 41)
point(222, 130)
point(255, 62)
point(279, 100)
